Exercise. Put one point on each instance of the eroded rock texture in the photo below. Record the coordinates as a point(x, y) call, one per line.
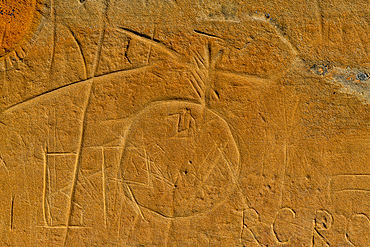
point(184, 123)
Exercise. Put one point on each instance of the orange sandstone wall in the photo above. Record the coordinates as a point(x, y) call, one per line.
point(184, 123)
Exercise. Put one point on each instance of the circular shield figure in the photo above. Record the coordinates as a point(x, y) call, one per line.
point(179, 159)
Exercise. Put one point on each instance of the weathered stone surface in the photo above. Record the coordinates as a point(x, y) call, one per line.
point(184, 123)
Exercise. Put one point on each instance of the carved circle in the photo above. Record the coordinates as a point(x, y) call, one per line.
point(180, 159)
point(284, 226)
point(323, 220)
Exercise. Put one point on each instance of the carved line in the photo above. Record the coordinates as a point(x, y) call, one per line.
point(159, 174)
point(79, 46)
point(347, 239)
point(98, 52)
point(2, 161)
point(148, 40)
point(45, 202)
point(53, 17)
point(64, 227)
point(12, 213)
point(105, 208)
point(208, 35)
point(77, 164)
point(214, 148)
point(44, 94)
point(321, 18)
point(334, 191)
point(322, 238)
point(280, 35)
point(134, 201)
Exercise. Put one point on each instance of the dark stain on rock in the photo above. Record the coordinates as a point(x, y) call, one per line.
point(362, 76)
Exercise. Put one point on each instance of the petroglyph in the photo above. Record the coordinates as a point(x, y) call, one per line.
point(184, 123)
point(178, 163)
point(17, 23)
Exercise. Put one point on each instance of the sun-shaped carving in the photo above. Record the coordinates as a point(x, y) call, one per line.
point(18, 22)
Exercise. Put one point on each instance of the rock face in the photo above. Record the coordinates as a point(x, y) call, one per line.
point(184, 123)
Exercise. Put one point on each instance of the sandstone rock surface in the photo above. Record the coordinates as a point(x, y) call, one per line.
point(184, 123)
